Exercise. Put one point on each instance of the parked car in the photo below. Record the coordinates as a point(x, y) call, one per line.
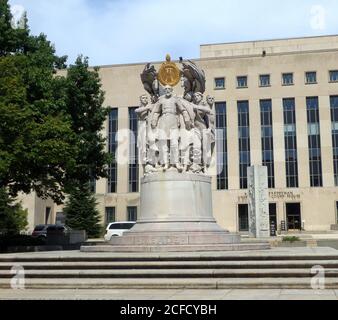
point(40, 231)
point(116, 229)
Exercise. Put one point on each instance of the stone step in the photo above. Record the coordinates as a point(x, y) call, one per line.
point(266, 255)
point(122, 265)
point(151, 273)
point(193, 283)
point(132, 248)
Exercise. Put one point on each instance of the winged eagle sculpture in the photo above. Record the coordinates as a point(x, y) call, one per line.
point(193, 80)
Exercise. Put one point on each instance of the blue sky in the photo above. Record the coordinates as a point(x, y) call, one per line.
point(127, 31)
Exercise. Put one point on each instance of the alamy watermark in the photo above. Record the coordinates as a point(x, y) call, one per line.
point(318, 280)
point(318, 17)
point(18, 280)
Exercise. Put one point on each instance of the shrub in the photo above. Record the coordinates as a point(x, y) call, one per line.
point(291, 239)
point(13, 218)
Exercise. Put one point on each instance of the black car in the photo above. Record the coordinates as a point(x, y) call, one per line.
point(40, 231)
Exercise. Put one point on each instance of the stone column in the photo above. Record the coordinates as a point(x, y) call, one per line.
point(259, 225)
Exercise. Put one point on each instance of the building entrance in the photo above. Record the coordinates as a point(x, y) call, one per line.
point(293, 216)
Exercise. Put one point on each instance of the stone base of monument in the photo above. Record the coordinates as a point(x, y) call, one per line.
point(176, 215)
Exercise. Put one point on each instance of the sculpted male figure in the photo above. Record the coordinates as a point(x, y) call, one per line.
point(166, 118)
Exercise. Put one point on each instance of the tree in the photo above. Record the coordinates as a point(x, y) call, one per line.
point(49, 123)
point(81, 212)
point(12, 40)
point(84, 100)
point(13, 219)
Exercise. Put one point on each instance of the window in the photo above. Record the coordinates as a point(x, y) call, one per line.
point(219, 83)
point(243, 142)
point(264, 80)
point(311, 77)
point(267, 140)
point(312, 108)
point(287, 79)
point(334, 120)
point(334, 76)
point(243, 217)
point(132, 213)
point(60, 218)
point(222, 147)
point(290, 140)
point(48, 215)
point(92, 185)
point(133, 173)
point(110, 215)
point(273, 219)
point(242, 82)
point(112, 145)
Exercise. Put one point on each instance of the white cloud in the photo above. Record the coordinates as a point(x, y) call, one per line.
point(125, 31)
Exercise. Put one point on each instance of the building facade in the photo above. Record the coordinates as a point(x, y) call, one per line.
point(276, 105)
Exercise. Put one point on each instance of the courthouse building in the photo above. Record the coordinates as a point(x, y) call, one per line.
point(276, 105)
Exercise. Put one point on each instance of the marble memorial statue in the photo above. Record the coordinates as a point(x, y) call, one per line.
point(176, 140)
point(182, 128)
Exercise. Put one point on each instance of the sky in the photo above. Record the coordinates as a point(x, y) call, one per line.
point(130, 31)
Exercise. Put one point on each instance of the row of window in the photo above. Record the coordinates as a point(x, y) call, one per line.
point(133, 170)
point(287, 79)
point(110, 214)
point(292, 214)
point(290, 139)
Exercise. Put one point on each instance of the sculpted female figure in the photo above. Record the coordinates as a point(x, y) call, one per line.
point(199, 141)
point(210, 135)
point(143, 113)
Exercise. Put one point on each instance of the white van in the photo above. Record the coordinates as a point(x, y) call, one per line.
point(116, 229)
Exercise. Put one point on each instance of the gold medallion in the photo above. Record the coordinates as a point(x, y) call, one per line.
point(169, 73)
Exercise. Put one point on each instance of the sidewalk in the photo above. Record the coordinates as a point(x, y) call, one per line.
point(187, 294)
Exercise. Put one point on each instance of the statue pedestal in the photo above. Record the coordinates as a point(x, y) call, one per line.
point(176, 215)
point(176, 209)
point(176, 212)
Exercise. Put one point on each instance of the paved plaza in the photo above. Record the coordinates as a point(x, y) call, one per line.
point(186, 294)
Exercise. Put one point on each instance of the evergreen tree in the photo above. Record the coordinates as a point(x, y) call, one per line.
point(84, 100)
point(13, 219)
point(81, 212)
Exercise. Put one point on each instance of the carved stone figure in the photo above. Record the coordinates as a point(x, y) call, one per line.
point(179, 131)
point(143, 113)
point(166, 119)
point(199, 130)
point(193, 79)
point(150, 82)
point(210, 133)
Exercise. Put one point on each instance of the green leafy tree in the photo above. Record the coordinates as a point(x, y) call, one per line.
point(13, 218)
point(49, 123)
point(81, 212)
point(12, 40)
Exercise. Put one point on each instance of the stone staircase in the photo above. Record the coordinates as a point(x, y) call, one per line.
point(273, 269)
